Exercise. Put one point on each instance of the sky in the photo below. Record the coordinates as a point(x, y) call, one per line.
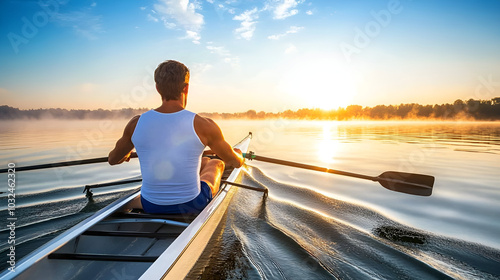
point(269, 55)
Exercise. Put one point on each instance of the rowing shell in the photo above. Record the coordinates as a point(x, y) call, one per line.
point(122, 242)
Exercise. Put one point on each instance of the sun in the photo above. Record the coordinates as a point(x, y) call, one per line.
point(322, 85)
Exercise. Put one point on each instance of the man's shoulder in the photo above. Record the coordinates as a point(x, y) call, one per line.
point(206, 129)
point(133, 121)
point(129, 129)
point(135, 118)
point(205, 122)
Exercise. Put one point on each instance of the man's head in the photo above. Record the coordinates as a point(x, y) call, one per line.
point(171, 78)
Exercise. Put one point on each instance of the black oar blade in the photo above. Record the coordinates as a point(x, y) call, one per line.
point(410, 183)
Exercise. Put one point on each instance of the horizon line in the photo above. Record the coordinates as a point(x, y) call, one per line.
point(497, 99)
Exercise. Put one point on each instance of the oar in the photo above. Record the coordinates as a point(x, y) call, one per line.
point(88, 188)
point(62, 164)
point(70, 163)
point(264, 190)
point(410, 183)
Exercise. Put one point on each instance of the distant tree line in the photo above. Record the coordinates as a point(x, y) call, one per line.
point(7, 112)
point(466, 110)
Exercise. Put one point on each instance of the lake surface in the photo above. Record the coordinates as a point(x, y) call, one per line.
point(313, 225)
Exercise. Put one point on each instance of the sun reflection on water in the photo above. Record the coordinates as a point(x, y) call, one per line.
point(328, 146)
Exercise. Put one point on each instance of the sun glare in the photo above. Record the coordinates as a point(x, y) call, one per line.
point(328, 145)
point(326, 86)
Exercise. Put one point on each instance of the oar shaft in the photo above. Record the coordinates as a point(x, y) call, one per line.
point(59, 164)
point(310, 167)
point(246, 187)
point(410, 183)
point(88, 187)
point(63, 164)
point(112, 184)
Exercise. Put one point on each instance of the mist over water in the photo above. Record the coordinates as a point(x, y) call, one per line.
point(313, 225)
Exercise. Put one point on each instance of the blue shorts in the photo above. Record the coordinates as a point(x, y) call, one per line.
point(194, 206)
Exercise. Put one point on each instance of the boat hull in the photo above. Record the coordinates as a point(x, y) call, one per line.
point(190, 256)
point(181, 256)
point(116, 243)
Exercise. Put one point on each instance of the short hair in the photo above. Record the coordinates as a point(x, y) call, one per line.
point(171, 77)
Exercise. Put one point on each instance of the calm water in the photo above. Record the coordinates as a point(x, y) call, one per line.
point(313, 225)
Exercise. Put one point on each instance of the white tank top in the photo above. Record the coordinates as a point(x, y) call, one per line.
point(169, 153)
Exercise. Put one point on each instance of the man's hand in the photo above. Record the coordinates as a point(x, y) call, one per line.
point(127, 157)
point(208, 153)
point(238, 151)
point(240, 156)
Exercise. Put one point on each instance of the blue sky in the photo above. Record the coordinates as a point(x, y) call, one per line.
point(264, 55)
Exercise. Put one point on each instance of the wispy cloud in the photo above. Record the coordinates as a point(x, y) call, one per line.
point(199, 68)
point(152, 18)
point(184, 14)
point(309, 13)
point(221, 51)
point(193, 35)
point(293, 29)
point(222, 7)
point(248, 23)
point(83, 23)
point(226, 56)
point(285, 8)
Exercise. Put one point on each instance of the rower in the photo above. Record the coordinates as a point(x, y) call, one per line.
point(169, 142)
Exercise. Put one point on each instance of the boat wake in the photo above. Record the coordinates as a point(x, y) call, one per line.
point(298, 233)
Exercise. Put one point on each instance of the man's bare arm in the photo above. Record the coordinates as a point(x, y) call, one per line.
point(211, 135)
point(124, 145)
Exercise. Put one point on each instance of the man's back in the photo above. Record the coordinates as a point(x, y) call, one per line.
point(170, 141)
point(169, 152)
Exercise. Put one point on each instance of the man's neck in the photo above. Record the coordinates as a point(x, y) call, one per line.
point(170, 106)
